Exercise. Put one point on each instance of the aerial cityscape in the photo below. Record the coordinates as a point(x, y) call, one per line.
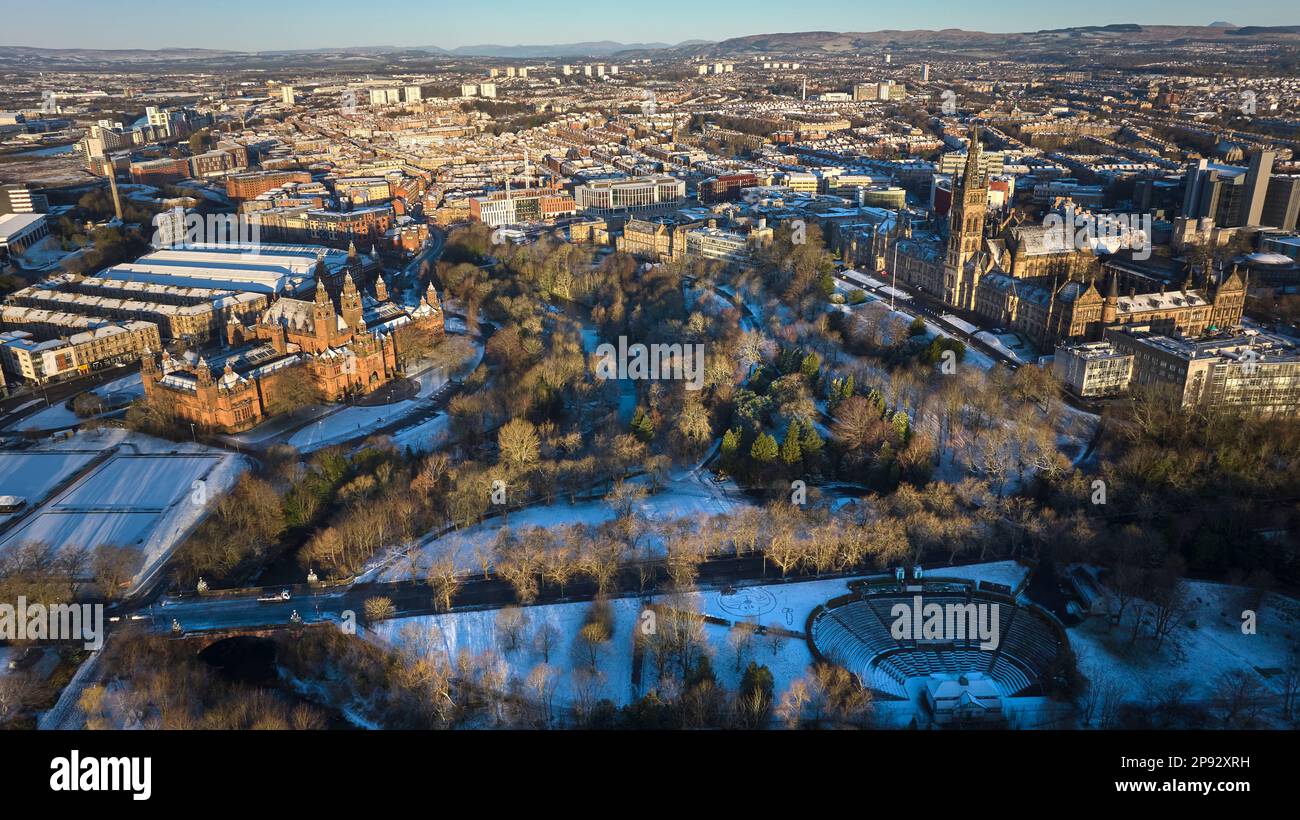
point(896, 376)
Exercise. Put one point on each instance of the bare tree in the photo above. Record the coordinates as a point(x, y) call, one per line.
point(379, 608)
point(1239, 698)
point(512, 627)
point(445, 582)
point(740, 640)
point(545, 638)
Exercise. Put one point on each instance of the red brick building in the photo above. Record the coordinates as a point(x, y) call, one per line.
point(346, 349)
point(726, 188)
point(255, 183)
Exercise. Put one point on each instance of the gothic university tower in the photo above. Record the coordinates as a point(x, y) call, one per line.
point(966, 229)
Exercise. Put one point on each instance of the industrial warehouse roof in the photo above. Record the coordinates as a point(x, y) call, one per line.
point(264, 269)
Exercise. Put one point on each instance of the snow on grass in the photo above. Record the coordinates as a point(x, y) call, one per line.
point(84, 531)
point(474, 633)
point(54, 417)
point(46, 255)
point(121, 390)
point(1196, 656)
point(33, 473)
point(782, 605)
point(279, 425)
point(426, 436)
point(1208, 643)
point(148, 496)
point(138, 481)
point(1008, 345)
point(353, 421)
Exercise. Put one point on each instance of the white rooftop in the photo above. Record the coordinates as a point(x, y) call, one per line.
point(264, 269)
point(15, 224)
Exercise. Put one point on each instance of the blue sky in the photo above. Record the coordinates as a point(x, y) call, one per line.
point(258, 25)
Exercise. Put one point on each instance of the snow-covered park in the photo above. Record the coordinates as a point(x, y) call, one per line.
point(1209, 644)
point(785, 606)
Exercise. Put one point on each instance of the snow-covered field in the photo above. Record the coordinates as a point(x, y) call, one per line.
point(116, 393)
point(148, 495)
point(79, 530)
point(54, 417)
point(120, 391)
point(46, 255)
point(426, 436)
point(152, 482)
point(1008, 344)
point(1196, 655)
point(476, 632)
point(33, 473)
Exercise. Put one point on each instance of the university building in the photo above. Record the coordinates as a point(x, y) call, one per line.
point(1024, 278)
point(348, 348)
point(1248, 373)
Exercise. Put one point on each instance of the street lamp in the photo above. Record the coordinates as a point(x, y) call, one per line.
point(193, 434)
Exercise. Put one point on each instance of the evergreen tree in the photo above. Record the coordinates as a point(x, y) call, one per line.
point(757, 678)
point(642, 427)
point(902, 427)
point(791, 452)
point(810, 365)
point(811, 441)
point(730, 449)
point(701, 672)
point(827, 284)
point(877, 401)
point(764, 450)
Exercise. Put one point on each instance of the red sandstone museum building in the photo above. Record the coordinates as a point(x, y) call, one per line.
point(348, 348)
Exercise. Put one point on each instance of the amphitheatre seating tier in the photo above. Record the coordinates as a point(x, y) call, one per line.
point(854, 631)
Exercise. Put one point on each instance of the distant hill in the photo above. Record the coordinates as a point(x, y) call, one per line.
point(802, 43)
point(24, 56)
point(833, 42)
point(1250, 31)
point(600, 48)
